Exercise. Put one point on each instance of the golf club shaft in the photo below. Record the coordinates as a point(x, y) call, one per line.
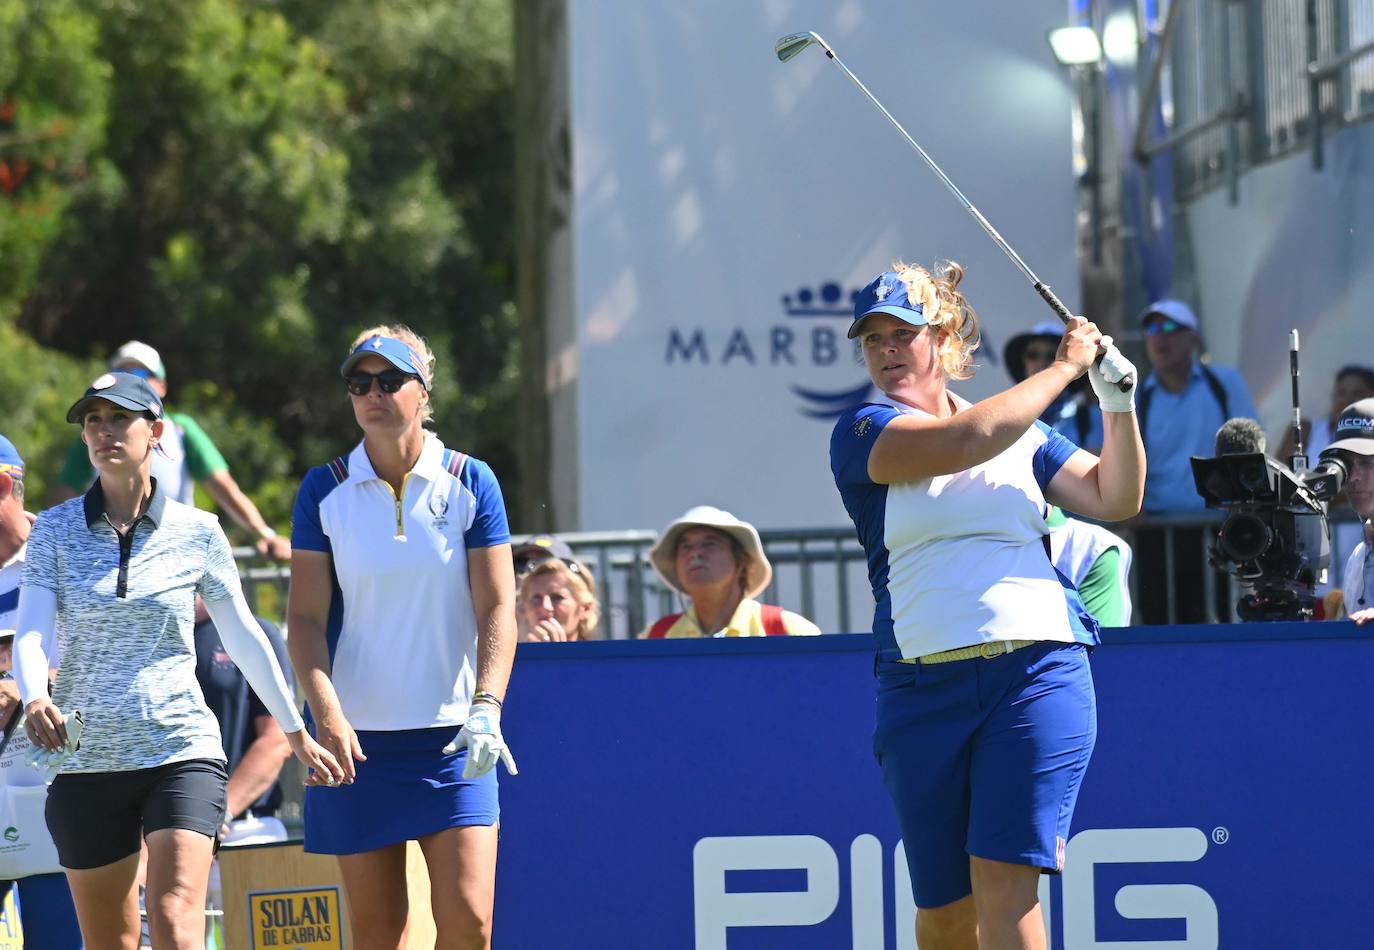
point(1041, 288)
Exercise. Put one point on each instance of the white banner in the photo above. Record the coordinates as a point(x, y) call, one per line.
point(727, 205)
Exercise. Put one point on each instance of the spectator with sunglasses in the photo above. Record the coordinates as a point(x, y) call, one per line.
point(187, 456)
point(557, 602)
point(1180, 407)
point(537, 548)
point(1075, 414)
point(402, 634)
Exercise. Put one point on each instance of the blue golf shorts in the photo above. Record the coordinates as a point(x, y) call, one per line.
point(984, 757)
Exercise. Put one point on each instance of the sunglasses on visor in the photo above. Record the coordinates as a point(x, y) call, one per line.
point(1156, 327)
point(391, 380)
point(523, 565)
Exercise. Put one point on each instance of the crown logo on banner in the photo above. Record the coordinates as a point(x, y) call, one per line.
point(829, 300)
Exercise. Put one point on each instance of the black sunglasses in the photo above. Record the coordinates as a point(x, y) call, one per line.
point(391, 380)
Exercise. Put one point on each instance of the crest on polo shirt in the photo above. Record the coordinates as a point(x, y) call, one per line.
point(438, 507)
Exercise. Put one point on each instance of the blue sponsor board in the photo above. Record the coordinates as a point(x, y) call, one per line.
point(713, 794)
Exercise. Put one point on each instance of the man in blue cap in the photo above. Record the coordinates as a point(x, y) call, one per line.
point(45, 902)
point(1180, 407)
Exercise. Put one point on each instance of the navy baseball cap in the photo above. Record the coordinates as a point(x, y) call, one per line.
point(394, 351)
point(122, 389)
point(10, 462)
point(1355, 429)
point(885, 294)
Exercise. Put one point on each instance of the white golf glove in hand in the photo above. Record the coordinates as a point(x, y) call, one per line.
point(481, 736)
point(49, 761)
point(1107, 374)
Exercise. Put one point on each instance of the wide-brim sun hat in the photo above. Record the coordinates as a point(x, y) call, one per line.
point(886, 293)
point(1012, 352)
point(1354, 429)
point(663, 555)
point(122, 389)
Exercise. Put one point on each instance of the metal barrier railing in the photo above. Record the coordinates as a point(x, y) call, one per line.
point(822, 574)
point(1244, 83)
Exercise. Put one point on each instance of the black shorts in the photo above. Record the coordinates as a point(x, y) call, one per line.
point(97, 818)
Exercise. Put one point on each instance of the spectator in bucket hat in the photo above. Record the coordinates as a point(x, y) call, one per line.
point(716, 561)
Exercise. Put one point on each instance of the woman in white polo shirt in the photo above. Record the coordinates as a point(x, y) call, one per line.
point(115, 574)
point(402, 633)
point(985, 709)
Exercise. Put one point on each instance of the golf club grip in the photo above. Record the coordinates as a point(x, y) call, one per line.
point(1057, 305)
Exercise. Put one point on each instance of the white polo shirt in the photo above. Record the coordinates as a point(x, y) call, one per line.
point(959, 559)
point(402, 628)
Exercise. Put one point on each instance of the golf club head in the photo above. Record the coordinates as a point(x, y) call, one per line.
point(790, 45)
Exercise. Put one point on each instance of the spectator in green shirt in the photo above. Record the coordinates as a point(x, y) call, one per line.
point(1098, 563)
point(187, 456)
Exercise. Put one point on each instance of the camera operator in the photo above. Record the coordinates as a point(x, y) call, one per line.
point(1354, 442)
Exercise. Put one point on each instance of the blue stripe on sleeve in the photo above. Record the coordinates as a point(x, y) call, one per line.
point(489, 526)
point(1050, 456)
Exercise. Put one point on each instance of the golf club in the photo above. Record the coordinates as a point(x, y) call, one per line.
point(790, 46)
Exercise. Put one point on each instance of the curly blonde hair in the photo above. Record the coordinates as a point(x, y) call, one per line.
point(578, 578)
point(417, 343)
point(946, 310)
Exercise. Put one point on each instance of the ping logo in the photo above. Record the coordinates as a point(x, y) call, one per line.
point(720, 903)
point(1088, 849)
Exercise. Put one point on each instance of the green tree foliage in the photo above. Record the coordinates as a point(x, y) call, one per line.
point(278, 175)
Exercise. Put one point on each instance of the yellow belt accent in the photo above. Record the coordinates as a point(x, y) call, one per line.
point(985, 650)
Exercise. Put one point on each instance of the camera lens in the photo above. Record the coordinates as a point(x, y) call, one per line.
point(1244, 537)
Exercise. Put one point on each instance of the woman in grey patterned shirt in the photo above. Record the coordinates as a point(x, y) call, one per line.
point(115, 574)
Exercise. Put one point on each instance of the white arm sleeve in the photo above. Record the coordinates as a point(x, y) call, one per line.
point(247, 644)
point(34, 624)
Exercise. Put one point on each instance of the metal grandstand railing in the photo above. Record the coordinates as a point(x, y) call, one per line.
point(820, 573)
point(1242, 83)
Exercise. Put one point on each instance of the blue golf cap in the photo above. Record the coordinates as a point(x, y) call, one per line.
point(885, 294)
point(10, 462)
point(123, 389)
point(394, 351)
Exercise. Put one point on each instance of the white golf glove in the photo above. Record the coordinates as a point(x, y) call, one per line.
point(1107, 374)
point(481, 736)
point(49, 761)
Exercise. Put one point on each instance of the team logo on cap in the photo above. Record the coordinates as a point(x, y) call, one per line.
point(376, 343)
point(104, 382)
point(882, 290)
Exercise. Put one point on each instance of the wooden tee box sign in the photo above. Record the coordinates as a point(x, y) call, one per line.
point(277, 897)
